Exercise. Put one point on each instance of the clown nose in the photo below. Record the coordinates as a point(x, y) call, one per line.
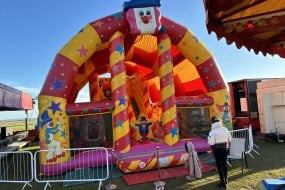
point(146, 19)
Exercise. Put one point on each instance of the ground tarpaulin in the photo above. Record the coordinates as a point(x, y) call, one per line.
point(165, 173)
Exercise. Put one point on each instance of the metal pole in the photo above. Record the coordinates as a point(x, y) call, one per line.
point(111, 185)
point(158, 184)
point(26, 119)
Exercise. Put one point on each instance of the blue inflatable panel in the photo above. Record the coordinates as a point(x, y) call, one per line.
point(272, 184)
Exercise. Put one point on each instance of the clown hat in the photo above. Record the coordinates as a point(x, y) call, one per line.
point(45, 118)
point(143, 118)
point(141, 3)
point(215, 119)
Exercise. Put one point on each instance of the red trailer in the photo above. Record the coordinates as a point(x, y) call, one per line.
point(12, 99)
point(243, 105)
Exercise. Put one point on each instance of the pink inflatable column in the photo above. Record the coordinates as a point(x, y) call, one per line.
point(121, 130)
point(169, 120)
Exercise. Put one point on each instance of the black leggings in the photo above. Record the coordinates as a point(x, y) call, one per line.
point(221, 163)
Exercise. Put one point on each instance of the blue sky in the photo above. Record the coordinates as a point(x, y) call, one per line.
point(33, 31)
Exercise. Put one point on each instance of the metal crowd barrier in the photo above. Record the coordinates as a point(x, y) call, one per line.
point(16, 167)
point(246, 134)
point(86, 165)
point(242, 134)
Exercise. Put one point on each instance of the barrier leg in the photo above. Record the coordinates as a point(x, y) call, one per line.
point(26, 185)
point(47, 184)
point(251, 154)
point(100, 184)
point(111, 185)
point(229, 164)
point(256, 151)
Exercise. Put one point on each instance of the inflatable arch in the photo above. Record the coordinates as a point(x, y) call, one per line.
point(171, 65)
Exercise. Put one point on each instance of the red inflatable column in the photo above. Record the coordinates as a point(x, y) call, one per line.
point(121, 130)
point(132, 116)
point(167, 90)
point(93, 87)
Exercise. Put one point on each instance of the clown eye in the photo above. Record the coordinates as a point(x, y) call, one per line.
point(141, 13)
point(148, 12)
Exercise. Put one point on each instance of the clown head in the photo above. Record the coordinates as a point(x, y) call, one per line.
point(143, 16)
point(226, 107)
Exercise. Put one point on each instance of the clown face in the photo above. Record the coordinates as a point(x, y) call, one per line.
point(144, 20)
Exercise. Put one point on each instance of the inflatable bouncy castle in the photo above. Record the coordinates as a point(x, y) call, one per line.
point(164, 85)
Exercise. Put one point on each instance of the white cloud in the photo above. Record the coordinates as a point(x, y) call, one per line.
point(32, 91)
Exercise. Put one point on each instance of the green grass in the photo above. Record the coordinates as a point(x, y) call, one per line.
point(269, 164)
point(19, 125)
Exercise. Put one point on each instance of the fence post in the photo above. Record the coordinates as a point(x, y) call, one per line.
point(158, 184)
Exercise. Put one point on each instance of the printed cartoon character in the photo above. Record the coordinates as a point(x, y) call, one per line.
point(143, 16)
point(226, 116)
point(144, 129)
point(107, 93)
point(105, 86)
point(52, 144)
